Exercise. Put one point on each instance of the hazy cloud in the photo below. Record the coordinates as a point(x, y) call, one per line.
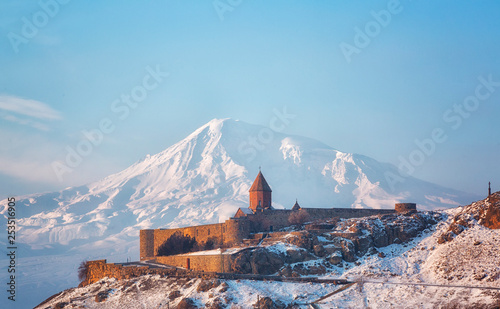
point(28, 107)
point(30, 171)
point(27, 122)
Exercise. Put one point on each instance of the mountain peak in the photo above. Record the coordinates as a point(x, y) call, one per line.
point(206, 177)
point(214, 124)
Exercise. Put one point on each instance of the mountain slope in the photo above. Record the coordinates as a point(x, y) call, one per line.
point(203, 179)
point(420, 269)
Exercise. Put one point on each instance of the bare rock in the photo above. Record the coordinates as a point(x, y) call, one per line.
point(332, 249)
point(287, 272)
point(174, 294)
point(335, 258)
point(206, 285)
point(223, 287)
point(265, 262)
point(319, 250)
point(268, 303)
point(102, 296)
point(295, 256)
point(187, 303)
point(486, 212)
point(348, 251)
point(362, 244)
point(241, 263)
point(60, 305)
point(217, 303)
point(372, 251)
point(492, 214)
point(259, 261)
point(303, 239)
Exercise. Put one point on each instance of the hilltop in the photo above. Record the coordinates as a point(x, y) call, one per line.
point(384, 254)
point(202, 179)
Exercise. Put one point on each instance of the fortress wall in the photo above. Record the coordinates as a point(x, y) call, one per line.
point(160, 236)
point(201, 233)
point(231, 232)
point(235, 230)
point(99, 269)
point(322, 213)
point(146, 239)
point(207, 263)
point(404, 207)
point(262, 220)
point(278, 218)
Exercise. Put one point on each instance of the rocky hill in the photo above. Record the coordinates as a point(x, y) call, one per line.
point(391, 257)
point(202, 179)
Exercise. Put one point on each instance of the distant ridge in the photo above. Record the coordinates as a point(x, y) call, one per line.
point(206, 177)
point(202, 179)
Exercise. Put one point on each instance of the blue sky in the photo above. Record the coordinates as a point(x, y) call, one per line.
point(417, 70)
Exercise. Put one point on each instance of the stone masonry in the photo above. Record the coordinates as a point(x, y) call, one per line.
point(260, 217)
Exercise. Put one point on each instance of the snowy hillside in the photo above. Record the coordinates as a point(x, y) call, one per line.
point(202, 179)
point(420, 272)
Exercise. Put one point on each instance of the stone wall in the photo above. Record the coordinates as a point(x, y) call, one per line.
point(231, 232)
point(405, 207)
point(262, 221)
point(201, 233)
point(99, 269)
point(234, 230)
point(146, 240)
point(207, 263)
point(322, 213)
point(278, 218)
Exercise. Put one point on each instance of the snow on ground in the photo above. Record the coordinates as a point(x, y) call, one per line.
point(202, 179)
point(153, 292)
point(461, 262)
point(397, 280)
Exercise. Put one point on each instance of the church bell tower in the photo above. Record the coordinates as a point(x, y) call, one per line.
point(260, 194)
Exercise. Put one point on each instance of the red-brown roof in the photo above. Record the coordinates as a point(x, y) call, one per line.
point(260, 184)
point(296, 206)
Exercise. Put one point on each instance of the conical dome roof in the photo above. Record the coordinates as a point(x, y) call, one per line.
point(260, 184)
point(296, 206)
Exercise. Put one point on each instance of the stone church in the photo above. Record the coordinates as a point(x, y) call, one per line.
point(259, 217)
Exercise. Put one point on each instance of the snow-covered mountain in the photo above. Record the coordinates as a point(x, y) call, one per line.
point(204, 179)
